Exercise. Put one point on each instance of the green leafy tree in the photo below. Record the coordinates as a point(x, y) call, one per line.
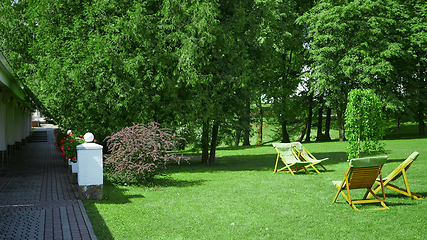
point(415, 80)
point(364, 122)
point(354, 44)
point(283, 60)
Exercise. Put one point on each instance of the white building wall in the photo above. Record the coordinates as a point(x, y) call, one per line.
point(27, 123)
point(3, 144)
point(17, 124)
point(10, 124)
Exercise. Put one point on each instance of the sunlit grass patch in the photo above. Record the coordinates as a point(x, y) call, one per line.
point(239, 198)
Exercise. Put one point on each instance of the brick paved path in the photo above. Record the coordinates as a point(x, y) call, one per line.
point(37, 200)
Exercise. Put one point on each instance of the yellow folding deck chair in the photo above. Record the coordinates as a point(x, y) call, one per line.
point(395, 174)
point(288, 156)
point(306, 156)
point(362, 174)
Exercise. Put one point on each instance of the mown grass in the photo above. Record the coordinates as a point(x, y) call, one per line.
point(239, 198)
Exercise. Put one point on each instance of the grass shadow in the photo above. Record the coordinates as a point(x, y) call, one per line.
point(395, 160)
point(167, 181)
point(334, 157)
point(265, 162)
point(99, 225)
point(401, 196)
point(233, 148)
point(114, 194)
point(228, 163)
point(392, 204)
point(406, 131)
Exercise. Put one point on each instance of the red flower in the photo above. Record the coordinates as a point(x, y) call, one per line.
point(62, 154)
point(68, 148)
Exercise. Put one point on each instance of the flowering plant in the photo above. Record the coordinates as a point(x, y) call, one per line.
point(140, 152)
point(67, 144)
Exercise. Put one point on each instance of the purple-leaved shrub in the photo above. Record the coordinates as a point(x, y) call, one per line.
point(140, 152)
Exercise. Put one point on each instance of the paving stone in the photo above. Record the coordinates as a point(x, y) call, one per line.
point(37, 199)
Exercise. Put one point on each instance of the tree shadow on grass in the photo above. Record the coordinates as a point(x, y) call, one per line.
point(334, 157)
point(99, 226)
point(112, 194)
point(264, 162)
point(115, 194)
point(167, 181)
point(405, 132)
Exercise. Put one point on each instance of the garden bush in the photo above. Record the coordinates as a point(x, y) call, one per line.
point(140, 152)
point(67, 143)
point(364, 126)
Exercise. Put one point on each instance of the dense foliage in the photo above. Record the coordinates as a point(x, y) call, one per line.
point(140, 152)
point(200, 67)
point(363, 123)
point(376, 44)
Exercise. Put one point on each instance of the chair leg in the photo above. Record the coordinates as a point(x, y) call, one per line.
point(315, 169)
point(405, 192)
point(323, 167)
point(339, 188)
point(277, 162)
point(395, 188)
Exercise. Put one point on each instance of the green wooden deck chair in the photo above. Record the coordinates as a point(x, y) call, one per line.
point(306, 156)
point(288, 156)
point(396, 174)
point(362, 174)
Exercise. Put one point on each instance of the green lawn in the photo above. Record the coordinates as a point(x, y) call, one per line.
point(239, 198)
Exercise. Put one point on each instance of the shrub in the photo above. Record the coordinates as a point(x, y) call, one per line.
point(59, 136)
point(140, 152)
point(67, 144)
point(363, 123)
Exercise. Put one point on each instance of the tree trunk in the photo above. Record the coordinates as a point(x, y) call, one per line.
point(285, 135)
point(247, 125)
point(213, 143)
point(261, 122)
point(328, 124)
point(421, 124)
point(205, 143)
point(310, 118)
point(398, 122)
point(319, 124)
point(303, 131)
point(238, 136)
point(341, 128)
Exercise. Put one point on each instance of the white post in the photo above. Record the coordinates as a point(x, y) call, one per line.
point(89, 162)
